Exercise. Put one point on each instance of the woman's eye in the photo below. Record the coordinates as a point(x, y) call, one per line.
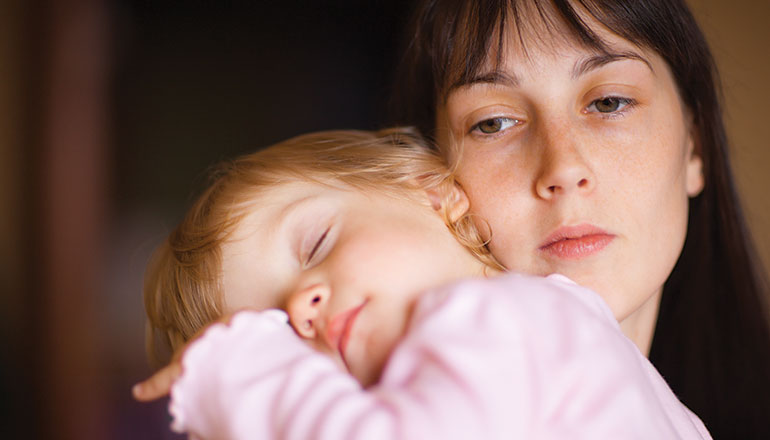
point(494, 125)
point(609, 104)
point(317, 246)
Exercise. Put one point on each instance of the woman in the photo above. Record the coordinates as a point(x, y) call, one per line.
point(589, 138)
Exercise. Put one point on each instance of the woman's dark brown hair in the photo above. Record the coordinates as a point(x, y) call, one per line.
point(712, 339)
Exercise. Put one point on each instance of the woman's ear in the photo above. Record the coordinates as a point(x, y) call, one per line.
point(454, 196)
point(694, 179)
point(694, 176)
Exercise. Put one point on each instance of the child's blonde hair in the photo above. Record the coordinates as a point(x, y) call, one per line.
point(182, 289)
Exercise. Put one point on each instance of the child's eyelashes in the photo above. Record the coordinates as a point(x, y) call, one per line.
point(317, 247)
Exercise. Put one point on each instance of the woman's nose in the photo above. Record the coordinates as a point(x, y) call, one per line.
point(305, 309)
point(564, 170)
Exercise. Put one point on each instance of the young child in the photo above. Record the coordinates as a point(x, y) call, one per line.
point(397, 328)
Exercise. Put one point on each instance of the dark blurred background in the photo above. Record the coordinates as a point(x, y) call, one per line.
point(110, 113)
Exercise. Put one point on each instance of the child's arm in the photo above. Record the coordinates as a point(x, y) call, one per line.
point(255, 379)
point(515, 357)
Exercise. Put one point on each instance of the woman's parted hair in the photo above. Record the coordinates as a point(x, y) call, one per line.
point(182, 288)
point(712, 339)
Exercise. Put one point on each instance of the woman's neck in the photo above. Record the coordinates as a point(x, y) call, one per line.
point(639, 327)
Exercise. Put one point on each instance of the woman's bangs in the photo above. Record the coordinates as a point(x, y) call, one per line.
point(479, 35)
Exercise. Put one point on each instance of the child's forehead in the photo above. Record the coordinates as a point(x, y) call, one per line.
point(270, 201)
point(266, 207)
point(269, 207)
point(286, 191)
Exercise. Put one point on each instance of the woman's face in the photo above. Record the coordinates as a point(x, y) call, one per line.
point(580, 164)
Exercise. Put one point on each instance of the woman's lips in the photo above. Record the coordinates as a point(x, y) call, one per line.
point(575, 242)
point(340, 326)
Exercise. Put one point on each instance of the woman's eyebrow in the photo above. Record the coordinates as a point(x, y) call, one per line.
point(581, 67)
point(494, 77)
point(588, 64)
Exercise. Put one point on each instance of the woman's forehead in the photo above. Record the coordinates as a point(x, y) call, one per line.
point(515, 67)
point(534, 52)
point(527, 33)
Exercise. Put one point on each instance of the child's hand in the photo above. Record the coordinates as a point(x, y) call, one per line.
point(159, 384)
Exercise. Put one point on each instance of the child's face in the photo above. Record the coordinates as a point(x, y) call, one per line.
point(346, 265)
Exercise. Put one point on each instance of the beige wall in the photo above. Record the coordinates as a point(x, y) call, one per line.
point(739, 35)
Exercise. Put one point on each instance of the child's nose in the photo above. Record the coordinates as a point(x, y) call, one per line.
point(305, 309)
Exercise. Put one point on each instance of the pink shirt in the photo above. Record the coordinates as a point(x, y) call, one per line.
point(511, 357)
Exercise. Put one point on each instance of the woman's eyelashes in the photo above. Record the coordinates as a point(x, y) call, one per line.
point(493, 126)
point(607, 107)
point(610, 106)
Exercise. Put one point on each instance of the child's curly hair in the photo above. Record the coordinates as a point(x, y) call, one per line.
point(182, 288)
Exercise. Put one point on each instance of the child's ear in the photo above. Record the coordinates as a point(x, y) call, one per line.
point(457, 200)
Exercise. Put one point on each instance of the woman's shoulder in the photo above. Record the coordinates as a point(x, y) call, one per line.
point(518, 295)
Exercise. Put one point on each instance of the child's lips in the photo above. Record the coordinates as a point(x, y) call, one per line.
point(340, 326)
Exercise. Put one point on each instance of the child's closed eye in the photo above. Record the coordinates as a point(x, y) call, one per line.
point(317, 247)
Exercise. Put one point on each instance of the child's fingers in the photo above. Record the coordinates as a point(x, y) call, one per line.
point(159, 384)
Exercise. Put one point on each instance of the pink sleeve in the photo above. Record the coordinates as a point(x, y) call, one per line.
point(255, 379)
point(536, 357)
point(512, 357)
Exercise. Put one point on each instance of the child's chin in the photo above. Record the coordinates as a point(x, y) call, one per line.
point(367, 377)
